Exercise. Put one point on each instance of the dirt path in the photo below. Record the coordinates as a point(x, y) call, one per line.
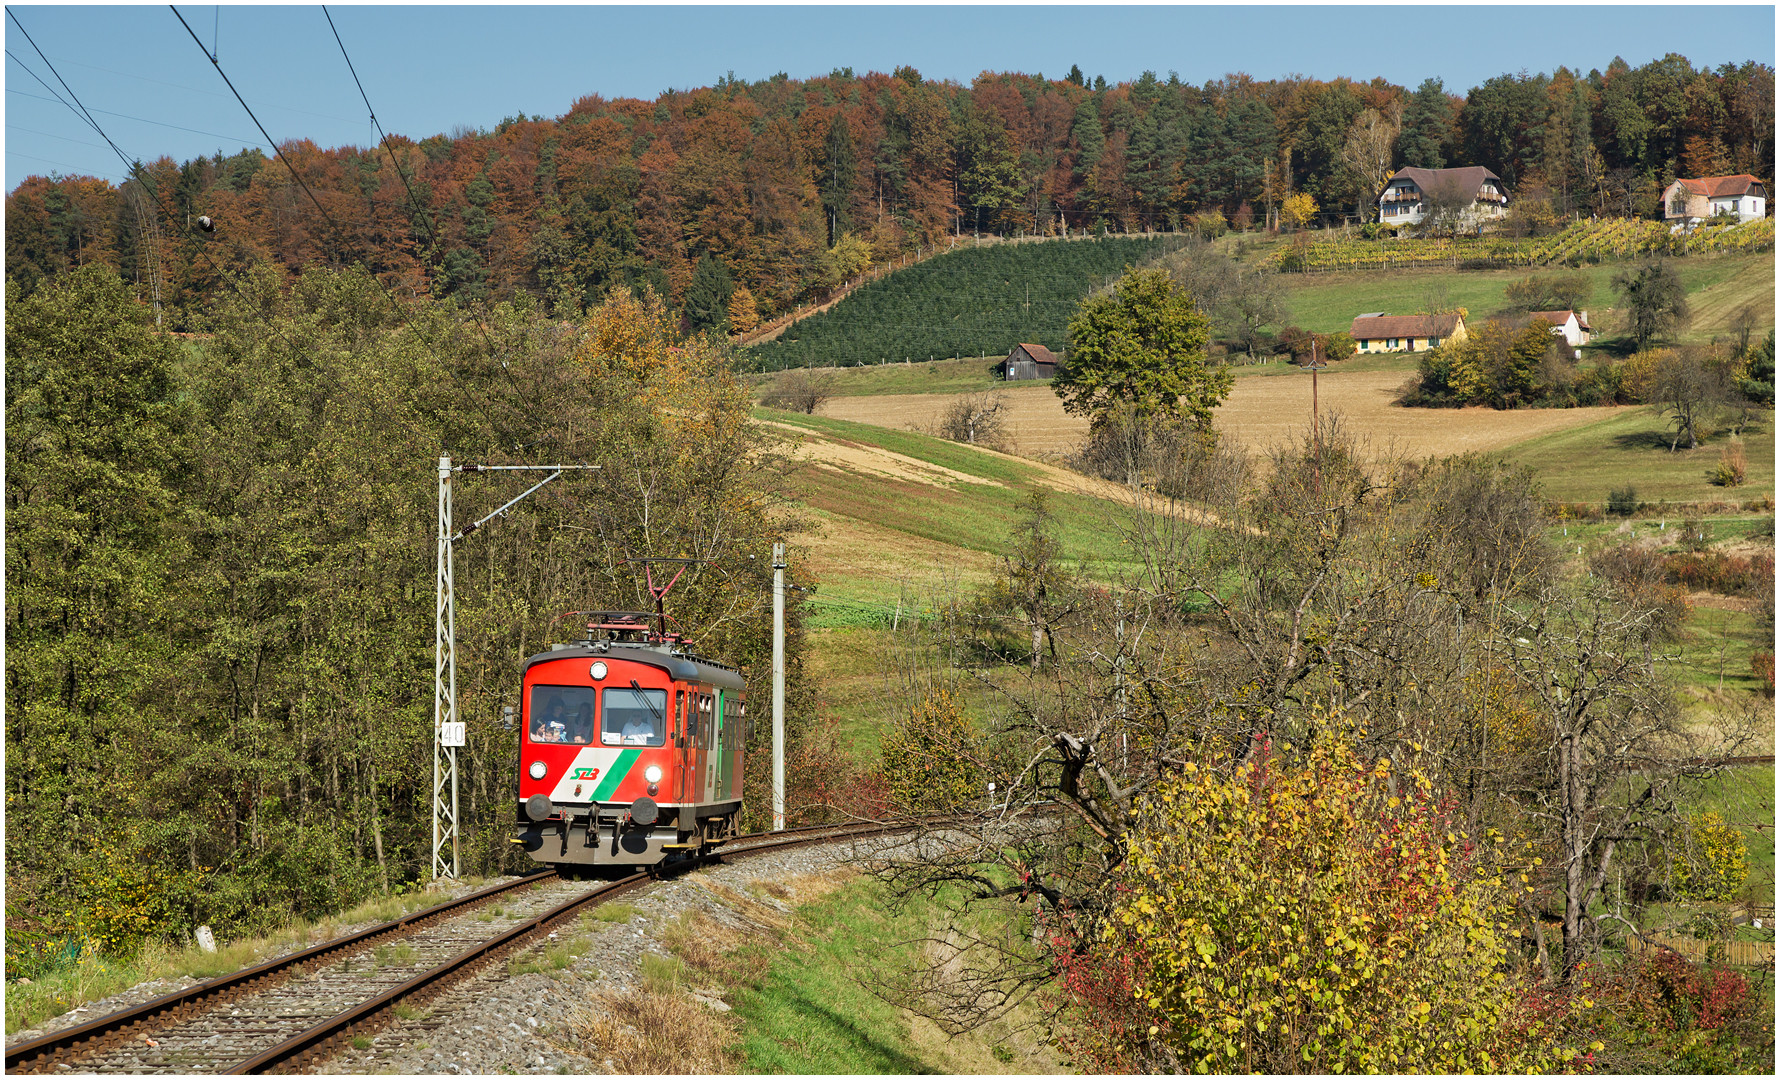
point(1262, 411)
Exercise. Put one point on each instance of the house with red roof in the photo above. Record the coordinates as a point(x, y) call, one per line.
point(1572, 326)
point(1376, 332)
point(1406, 198)
point(1688, 202)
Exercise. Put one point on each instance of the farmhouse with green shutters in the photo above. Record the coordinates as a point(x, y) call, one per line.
point(1376, 332)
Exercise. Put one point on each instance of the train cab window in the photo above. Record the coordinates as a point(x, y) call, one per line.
point(634, 717)
point(561, 714)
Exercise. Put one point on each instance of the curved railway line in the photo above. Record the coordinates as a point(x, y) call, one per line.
point(292, 1013)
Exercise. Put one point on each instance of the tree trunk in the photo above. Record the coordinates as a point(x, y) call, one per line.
point(1575, 850)
point(376, 829)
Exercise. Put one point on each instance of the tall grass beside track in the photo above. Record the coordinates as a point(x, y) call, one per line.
point(812, 1010)
point(84, 978)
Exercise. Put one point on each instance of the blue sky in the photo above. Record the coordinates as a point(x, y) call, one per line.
point(428, 69)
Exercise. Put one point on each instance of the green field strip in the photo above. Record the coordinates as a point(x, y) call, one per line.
point(980, 518)
point(935, 451)
point(1716, 286)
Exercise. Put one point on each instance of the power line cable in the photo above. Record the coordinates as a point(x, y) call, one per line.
point(52, 135)
point(383, 137)
point(77, 108)
point(140, 175)
point(194, 90)
point(339, 234)
point(74, 170)
point(414, 202)
point(143, 119)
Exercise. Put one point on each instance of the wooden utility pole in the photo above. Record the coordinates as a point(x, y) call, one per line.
point(1316, 425)
point(778, 687)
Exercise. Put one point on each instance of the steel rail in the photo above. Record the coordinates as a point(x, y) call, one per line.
point(105, 1032)
point(320, 1041)
point(41, 1054)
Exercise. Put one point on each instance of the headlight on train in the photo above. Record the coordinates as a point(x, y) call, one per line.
point(652, 774)
point(537, 770)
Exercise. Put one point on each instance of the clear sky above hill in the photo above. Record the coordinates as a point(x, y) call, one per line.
point(430, 69)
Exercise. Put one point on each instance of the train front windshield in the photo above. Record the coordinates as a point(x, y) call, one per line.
point(561, 714)
point(633, 717)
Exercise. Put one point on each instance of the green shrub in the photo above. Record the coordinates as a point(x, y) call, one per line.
point(925, 763)
point(1623, 501)
point(1712, 862)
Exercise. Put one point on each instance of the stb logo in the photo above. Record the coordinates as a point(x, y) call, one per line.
point(585, 774)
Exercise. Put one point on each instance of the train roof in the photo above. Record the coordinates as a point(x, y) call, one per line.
point(679, 666)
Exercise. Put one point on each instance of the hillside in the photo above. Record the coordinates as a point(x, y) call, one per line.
point(1717, 285)
point(706, 192)
point(972, 302)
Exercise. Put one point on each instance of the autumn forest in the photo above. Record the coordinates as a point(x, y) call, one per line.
point(784, 186)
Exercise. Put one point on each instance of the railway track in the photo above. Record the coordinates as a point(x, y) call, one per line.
point(292, 1013)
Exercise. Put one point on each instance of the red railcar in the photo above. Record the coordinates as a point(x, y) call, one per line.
point(630, 752)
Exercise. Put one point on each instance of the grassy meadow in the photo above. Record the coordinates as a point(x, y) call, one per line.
point(810, 1011)
point(1716, 287)
point(1583, 464)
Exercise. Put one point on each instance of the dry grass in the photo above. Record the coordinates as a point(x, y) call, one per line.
point(666, 1026)
point(650, 1034)
point(851, 549)
point(55, 993)
point(1261, 413)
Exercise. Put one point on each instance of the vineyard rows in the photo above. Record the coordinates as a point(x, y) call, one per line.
point(975, 302)
point(1596, 241)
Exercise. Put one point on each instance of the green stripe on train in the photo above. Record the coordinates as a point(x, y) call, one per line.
point(615, 775)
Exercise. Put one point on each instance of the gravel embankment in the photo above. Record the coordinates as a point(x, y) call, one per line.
point(498, 1022)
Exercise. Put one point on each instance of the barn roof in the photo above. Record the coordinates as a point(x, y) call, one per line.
point(1039, 353)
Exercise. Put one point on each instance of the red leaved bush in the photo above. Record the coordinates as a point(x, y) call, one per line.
point(1762, 663)
point(1714, 571)
point(821, 782)
point(1102, 983)
point(1665, 1013)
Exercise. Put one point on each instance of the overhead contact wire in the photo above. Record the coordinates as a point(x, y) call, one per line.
point(426, 219)
point(339, 234)
point(82, 110)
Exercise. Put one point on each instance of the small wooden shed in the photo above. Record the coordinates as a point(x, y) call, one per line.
point(1028, 362)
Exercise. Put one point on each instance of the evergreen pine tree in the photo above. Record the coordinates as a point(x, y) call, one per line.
point(1427, 123)
point(707, 298)
point(837, 177)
